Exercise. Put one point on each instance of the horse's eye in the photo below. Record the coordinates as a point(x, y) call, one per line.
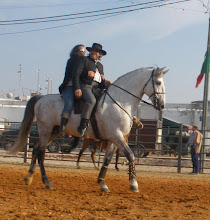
point(158, 83)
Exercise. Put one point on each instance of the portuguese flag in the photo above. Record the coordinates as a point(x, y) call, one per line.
point(205, 69)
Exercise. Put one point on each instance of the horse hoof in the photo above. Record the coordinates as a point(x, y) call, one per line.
point(28, 180)
point(78, 167)
point(104, 188)
point(134, 189)
point(134, 186)
point(50, 186)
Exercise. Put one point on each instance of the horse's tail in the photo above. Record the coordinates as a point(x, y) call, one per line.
point(25, 125)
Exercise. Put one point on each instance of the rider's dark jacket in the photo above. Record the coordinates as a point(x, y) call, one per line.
point(80, 72)
point(68, 73)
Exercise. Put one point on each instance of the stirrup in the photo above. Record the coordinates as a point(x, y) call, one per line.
point(62, 132)
point(82, 131)
point(64, 121)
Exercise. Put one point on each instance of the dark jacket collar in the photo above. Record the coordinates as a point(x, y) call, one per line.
point(92, 59)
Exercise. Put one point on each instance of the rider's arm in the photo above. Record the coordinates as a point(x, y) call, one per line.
point(69, 67)
point(77, 71)
point(102, 77)
point(68, 73)
point(104, 83)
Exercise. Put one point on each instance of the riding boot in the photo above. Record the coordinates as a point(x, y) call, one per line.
point(64, 120)
point(83, 126)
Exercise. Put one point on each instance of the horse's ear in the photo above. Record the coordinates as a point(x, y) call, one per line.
point(161, 69)
point(164, 72)
point(160, 72)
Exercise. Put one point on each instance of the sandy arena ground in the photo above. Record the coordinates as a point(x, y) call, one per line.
point(77, 195)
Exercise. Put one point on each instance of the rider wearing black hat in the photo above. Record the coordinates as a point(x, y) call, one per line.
point(87, 74)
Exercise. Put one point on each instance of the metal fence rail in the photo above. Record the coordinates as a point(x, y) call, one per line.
point(165, 149)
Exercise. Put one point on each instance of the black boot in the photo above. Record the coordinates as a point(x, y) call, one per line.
point(83, 126)
point(63, 126)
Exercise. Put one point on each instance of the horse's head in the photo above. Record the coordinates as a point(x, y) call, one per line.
point(155, 89)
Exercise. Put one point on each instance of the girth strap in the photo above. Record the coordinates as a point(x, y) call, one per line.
point(94, 123)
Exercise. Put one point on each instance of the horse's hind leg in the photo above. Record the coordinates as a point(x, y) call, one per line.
point(44, 139)
point(28, 178)
point(107, 159)
point(80, 154)
point(117, 159)
point(86, 144)
point(45, 180)
point(118, 149)
point(74, 144)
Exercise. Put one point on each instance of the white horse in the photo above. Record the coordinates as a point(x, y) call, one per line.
point(114, 117)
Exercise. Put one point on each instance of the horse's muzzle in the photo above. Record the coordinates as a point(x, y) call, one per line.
point(159, 107)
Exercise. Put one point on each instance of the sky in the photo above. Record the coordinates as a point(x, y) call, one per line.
point(174, 36)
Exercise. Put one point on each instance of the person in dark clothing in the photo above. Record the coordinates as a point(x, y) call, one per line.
point(88, 74)
point(66, 88)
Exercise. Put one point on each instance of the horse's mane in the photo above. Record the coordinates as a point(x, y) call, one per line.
point(125, 76)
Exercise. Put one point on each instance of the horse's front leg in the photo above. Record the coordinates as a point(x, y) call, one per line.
point(45, 180)
point(107, 159)
point(28, 178)
point(121, 143)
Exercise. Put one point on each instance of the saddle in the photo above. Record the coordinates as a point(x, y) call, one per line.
point(78, 106)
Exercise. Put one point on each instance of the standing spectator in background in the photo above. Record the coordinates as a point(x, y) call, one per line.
point(195, 142)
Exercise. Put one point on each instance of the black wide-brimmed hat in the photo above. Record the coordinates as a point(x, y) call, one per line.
point(97, 47)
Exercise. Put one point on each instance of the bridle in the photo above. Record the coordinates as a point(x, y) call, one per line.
point(156, 101)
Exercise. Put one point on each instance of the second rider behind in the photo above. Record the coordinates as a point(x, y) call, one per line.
point(88, 74)
point(66, 88)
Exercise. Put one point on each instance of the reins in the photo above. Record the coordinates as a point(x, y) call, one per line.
point(116, 103)
point(141, 100)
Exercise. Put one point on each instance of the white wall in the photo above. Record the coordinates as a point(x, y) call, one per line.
point(189, 117)
point(145, 111)
point(12, 110)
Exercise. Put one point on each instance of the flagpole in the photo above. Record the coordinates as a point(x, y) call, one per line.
point(20, 78)
point(205, 109)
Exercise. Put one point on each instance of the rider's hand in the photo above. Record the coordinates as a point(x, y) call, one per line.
point(107, 82)
point(91, 74)
point(102, 77)
point(78, 93)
